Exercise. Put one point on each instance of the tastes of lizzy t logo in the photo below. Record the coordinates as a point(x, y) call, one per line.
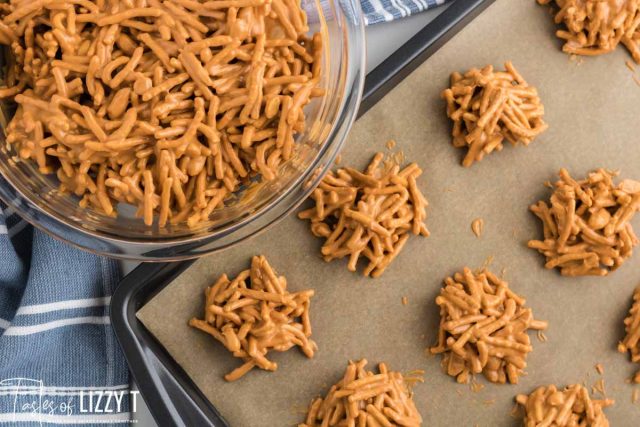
point(29, 400)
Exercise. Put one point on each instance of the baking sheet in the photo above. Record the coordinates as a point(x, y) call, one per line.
point(592, 110)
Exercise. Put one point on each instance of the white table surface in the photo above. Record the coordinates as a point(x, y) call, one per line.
point(382, 41)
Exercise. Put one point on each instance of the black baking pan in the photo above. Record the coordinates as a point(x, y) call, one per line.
point(172, 398)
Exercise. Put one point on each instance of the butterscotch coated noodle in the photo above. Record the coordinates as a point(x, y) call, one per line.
point(168, 105)
point(477, 226)
point(368, 214)
point(631, 341)
point(594, 27)
point(550, 407)
point(483, 328)
point(489, 106)
point(587, 226)
point(255, 313)
point(362, 398)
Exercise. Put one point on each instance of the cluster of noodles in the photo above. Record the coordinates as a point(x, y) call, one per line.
point(167, 105)
point(252, 319)
point(631, 341)
point(548, 406)
point(363, 398)
point(587, 226)
point(370, 213)
point(489, 106)
point(594, 27)
point(483, 328)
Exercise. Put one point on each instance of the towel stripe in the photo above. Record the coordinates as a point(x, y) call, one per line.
point(404, 11)
point(54, 393)
point(34, 329)
point(124, 417)
point(63, 305)
point(376, 11)
point(379, 8)
point(58, 389)
point(4, 324)
point(422, 3)
point(3, 229)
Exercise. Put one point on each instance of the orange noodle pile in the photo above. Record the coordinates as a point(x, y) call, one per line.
point(167, 105)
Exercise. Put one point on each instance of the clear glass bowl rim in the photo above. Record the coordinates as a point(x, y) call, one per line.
point(168, 249)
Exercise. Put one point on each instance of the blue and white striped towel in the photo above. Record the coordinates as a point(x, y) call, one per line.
point(376, 11)
point(58, 353)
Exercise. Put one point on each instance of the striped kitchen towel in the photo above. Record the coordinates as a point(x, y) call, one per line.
point(59, 359)
point(376, 11)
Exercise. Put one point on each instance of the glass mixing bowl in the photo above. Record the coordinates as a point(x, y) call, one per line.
point(328, 119)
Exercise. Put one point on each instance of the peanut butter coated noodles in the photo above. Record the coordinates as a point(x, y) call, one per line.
point(255, 313)
point(168, 105)
point(363, 398)
point(631, 341)
point(587, 224)
point(549, 406)
point(488, 106)
point(368, 214)
point(483, 328)
point(595, 27)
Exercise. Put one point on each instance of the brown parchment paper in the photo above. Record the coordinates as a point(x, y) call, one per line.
point(592, 107)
